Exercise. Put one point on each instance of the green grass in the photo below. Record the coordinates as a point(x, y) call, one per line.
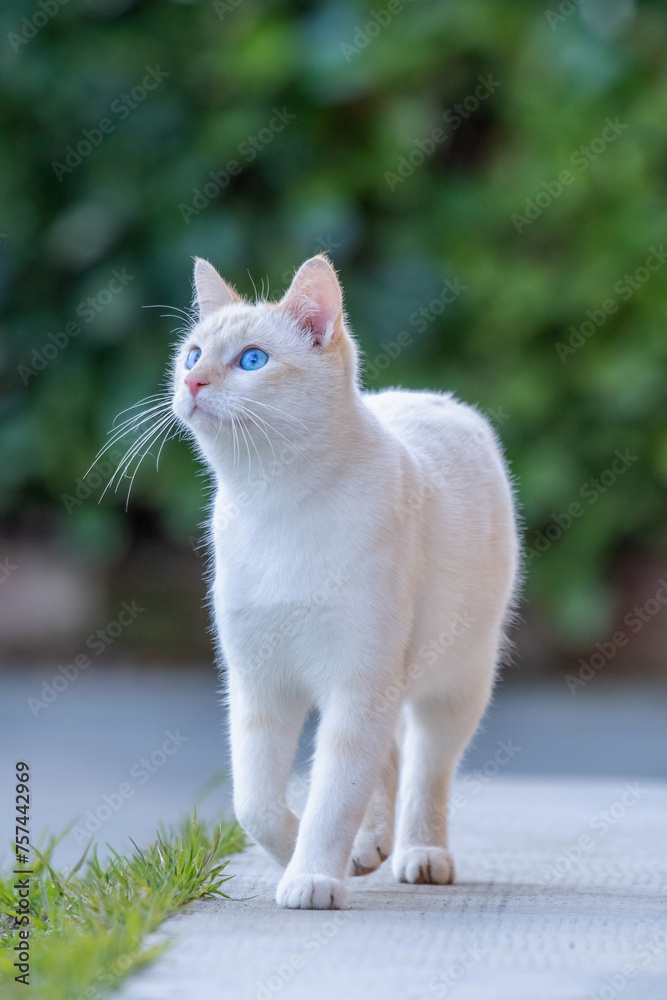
point(88, 930)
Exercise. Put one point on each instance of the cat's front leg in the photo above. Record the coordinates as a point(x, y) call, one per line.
point(352, 744)
point(264, 730)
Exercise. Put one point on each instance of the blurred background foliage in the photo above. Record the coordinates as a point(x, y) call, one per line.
point(362, 97)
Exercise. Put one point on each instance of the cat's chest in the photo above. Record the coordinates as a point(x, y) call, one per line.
point(304, 581)
point(264, 559)
point(281, 592)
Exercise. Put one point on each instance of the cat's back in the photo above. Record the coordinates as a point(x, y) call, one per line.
point(462, 495)
point(436, 427)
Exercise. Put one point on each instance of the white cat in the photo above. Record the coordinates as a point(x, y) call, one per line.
point(365, 560)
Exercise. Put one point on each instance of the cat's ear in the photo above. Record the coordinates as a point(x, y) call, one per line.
point(315, 300)
point(211, 292)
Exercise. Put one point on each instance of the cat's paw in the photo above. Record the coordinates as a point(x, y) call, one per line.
point(424, 865)
point(371, 848)
point(311, 892)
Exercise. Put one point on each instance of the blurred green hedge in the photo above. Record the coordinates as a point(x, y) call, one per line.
point(488, 177)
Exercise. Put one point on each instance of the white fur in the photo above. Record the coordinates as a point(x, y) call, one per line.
point(365, 560)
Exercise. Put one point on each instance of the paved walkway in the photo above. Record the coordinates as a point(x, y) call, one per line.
point(561, 893)
point(560, 843)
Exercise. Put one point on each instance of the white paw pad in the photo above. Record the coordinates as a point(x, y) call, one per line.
point(424, 865)
point(311, 892)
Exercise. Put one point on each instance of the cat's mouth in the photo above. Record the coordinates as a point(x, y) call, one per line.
point(202, 417)
point(189, 409)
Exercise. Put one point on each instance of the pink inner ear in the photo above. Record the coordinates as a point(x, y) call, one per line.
point(321, 320)
point(315, 299)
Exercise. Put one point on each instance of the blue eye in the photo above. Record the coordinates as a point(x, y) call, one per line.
point(253, 358)
point(192, 358)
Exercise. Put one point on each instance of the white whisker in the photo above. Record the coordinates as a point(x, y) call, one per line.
point(131, 452)
point(276, 431)
point(157, 462)
point(242, 429)
point(236, 456)
point(187, 314)
point(148, 399)
point(130, 420)
point(123, 431)
point(252, 441)
point(148, 440)
point(248, 413)
point(290, 416)
point(166, 438)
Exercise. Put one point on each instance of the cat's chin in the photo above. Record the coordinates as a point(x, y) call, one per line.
point(197, 416)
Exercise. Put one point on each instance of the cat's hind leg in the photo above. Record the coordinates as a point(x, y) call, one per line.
point(375, 838)
point(437, 732)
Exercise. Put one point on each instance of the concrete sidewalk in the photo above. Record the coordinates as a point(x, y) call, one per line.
point(561, 893)
point(562, 868)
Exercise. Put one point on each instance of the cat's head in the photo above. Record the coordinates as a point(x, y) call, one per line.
point(270, 365)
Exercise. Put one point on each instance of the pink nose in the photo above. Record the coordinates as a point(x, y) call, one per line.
point(194, 382)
